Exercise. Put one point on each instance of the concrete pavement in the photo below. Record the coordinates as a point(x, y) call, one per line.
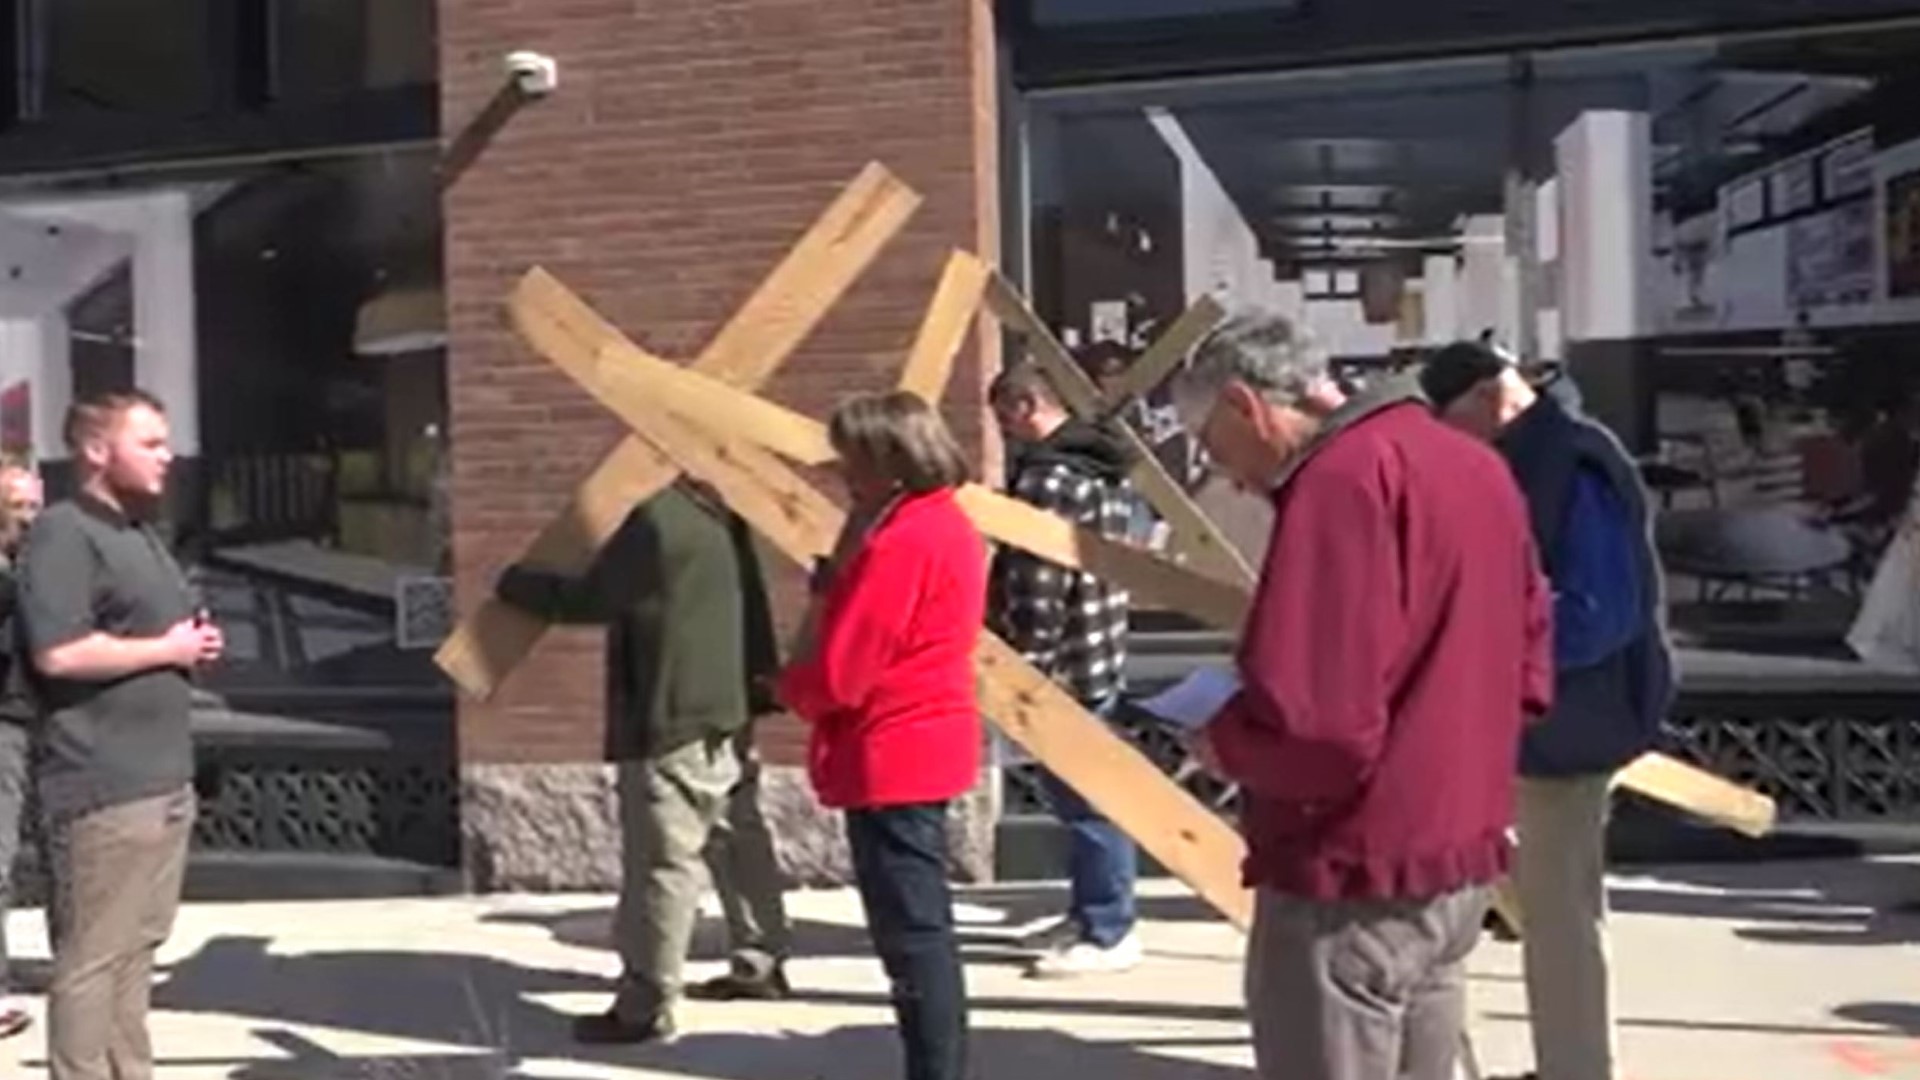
point(1784, 971)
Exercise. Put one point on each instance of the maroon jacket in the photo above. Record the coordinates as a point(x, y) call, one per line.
point(1400, 633)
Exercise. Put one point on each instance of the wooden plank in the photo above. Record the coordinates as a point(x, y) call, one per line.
point(1167, 352)
point(811, 279)
point(956, 301)
point(600, 355)
point(789, 303)
point(634, 385)
point(1195, 537)
point(1700, 792)
point(1191, 841)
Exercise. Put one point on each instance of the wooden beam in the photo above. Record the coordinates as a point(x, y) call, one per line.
point(634, 385)
point(1195, 538)
point(485, 647)
point(956, 302)
point(1167, 352)
point(597, 354)
point(1700, 792)
point(1175, 828)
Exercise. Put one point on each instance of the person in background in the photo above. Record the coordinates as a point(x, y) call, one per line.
point(690, 658)
point(20, 499)
point(1073, 628)
point(1398, 637)
point(1613, 684)
point(115, 636)
point(883, 674)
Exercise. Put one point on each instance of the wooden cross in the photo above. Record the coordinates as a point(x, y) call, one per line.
point(486, 645)
point(687, 417)
point(1195, 540)
point(690, 424)
point(625, 377)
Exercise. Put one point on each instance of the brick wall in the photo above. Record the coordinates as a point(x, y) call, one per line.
point(687, 146)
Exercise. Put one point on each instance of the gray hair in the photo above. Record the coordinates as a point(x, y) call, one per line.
point(1261, 348)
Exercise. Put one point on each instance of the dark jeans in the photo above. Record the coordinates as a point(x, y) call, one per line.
point(900, 865)
point(1102, 862)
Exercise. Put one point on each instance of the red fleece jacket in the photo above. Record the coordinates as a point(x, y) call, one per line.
point(889, 687)
point(1400, 633)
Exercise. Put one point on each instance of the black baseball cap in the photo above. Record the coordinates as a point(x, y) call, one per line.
point(1458, 368)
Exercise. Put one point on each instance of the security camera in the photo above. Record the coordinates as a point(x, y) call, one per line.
point(533, 74)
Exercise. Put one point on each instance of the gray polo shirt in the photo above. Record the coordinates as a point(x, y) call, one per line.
point(87, 568)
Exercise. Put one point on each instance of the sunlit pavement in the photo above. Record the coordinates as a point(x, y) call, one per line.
point(1783, 971)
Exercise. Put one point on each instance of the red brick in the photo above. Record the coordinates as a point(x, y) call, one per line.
point(687, 147)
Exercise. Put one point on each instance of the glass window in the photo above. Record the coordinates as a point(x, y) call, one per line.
point(291, 318)
point(129, 56)
point(1718, 241)
point(332, 48)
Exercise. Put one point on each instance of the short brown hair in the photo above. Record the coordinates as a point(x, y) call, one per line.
point(899, 436)
point(91, 416)
point(1022, 383)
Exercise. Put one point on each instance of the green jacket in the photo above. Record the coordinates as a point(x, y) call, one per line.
point(690, 642)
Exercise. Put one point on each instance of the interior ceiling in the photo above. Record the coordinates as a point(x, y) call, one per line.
point(1381, 174)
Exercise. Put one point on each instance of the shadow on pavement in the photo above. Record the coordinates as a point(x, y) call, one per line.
point(870, 1050)
point(1847, 902)
point(486, 1004)
point(995, 942)
point(1900, 1016)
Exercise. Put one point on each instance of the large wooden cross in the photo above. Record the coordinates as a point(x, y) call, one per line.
point(704, 419)
point(732, 439)
point(486, 645)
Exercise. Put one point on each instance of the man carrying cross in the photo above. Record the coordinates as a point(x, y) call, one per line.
point(1614, 682)
point(690, 655)
point(1073, 627)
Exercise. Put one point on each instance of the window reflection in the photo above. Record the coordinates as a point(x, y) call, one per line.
point(291, 318)
point(1719, 240)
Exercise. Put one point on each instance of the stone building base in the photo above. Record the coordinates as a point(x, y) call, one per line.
point(553, 828)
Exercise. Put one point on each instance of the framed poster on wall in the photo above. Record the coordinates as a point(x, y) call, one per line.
point(16, 418)
point(1903, 235)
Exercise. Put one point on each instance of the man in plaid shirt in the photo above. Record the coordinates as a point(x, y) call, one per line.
point(1073, 627)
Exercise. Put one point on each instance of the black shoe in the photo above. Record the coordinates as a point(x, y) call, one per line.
point(608, 1029)
point(742, 986)
point(1500, 929)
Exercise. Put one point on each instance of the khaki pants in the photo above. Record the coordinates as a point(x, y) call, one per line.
point(117, 875)
point(1561, 875)
point(697, 803)
point(1361, 990)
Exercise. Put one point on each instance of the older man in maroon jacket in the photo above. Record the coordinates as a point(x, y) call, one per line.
point(1398, 641)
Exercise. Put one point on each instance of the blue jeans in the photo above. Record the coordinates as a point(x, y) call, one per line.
point(900, 865)
point(1102, 862)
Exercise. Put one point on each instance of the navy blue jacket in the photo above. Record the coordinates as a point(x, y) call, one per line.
point(1614, 679)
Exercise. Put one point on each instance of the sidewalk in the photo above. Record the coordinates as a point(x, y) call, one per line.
point(1769, 972)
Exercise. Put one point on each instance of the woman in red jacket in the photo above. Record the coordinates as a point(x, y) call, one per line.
point(884, 676)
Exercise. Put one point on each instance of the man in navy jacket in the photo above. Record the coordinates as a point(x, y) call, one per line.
point(1613, 682)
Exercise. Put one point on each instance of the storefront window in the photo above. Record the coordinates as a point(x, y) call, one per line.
point(98, 60)
point(1714, 237)
point(290, 317)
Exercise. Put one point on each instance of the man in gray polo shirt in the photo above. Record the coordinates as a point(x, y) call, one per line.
point(110, 624)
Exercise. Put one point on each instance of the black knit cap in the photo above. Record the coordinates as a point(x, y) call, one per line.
point(1458, 368)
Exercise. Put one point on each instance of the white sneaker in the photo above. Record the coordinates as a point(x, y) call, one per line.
point(1086, 958)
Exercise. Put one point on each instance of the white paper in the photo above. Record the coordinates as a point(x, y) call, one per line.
point(1195, 700)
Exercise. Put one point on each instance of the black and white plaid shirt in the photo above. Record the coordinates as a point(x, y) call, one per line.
point(1069, 624)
